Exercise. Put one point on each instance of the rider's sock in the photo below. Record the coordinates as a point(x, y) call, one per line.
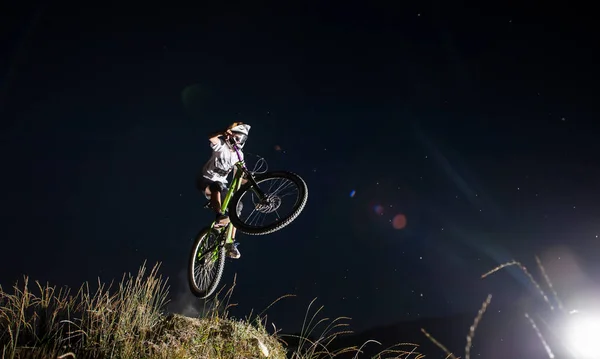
point(221, 216)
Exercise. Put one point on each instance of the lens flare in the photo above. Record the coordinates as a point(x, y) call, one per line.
point(378, 209)
point(399, 221)
point(582, 334)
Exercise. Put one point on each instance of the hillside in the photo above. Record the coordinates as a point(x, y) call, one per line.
point(38, 321)
point(129, 321)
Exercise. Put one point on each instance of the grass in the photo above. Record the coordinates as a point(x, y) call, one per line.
point(129, 321)
point(101, 323)
point(125, 322)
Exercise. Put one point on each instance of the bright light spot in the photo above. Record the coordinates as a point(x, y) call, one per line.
point(582, 335)
point(277, 148)
point(352, 193)
point(399, 221)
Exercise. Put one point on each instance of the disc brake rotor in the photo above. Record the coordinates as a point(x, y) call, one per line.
point(269, 205)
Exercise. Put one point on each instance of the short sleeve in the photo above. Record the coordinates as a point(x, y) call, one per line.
point(218, 147)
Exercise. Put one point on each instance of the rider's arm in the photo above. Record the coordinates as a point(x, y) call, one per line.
point(215, 140)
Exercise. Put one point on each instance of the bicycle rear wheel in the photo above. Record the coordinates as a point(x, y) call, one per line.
point(206, 263)
point(282, 189)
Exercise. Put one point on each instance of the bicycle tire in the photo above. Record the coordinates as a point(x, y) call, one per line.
point(205, 293)
point(262, 230)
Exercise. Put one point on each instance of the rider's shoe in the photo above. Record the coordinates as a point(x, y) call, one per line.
point(232, 251)
point(222, 220)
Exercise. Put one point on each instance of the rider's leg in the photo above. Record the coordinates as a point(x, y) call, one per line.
point(239, 208)
point(212, 192)
point(231, 248)
point(215, 200)
point(204, 185)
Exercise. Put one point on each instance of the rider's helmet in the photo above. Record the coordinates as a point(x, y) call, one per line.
point(240, 133)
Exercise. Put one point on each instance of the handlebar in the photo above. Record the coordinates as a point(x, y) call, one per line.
point(235, 146)
point(260, 162)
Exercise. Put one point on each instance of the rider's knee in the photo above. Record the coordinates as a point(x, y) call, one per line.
point(214, 187)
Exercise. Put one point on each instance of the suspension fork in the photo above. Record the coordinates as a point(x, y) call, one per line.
point(253, 185)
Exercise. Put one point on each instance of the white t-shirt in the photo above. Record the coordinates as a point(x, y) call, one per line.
point(221, 162)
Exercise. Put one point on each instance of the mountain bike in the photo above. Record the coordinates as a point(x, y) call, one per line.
point(207, 258)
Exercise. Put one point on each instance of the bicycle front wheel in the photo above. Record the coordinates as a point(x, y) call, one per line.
point(206, 263)
point(286, 195)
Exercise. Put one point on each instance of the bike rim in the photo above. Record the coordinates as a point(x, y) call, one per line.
point(281, 197)
point(205, 263)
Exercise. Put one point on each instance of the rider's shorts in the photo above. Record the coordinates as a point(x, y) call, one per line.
point(202, 183)
point(214, 186)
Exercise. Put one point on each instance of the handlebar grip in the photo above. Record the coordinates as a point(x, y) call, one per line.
point(232, 141)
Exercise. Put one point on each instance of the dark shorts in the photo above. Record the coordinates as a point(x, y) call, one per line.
point(202, 183)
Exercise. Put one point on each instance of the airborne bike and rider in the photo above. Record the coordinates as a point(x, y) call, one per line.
point(242, 204)
point(212, 181)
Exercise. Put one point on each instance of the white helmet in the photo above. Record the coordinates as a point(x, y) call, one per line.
point(240, 133)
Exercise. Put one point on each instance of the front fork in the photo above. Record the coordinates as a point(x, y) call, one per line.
point(236, 184)
point(254, 187)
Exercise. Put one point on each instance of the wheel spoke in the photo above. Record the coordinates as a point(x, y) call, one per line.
point(205, 266)
point(271, 202)
point(275, 190)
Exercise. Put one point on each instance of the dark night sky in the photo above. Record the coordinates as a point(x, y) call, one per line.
point(479, 124)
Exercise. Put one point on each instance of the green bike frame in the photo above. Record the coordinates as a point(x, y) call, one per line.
point(236, 183)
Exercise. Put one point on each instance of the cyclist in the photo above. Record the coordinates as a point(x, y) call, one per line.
point(212, 181)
